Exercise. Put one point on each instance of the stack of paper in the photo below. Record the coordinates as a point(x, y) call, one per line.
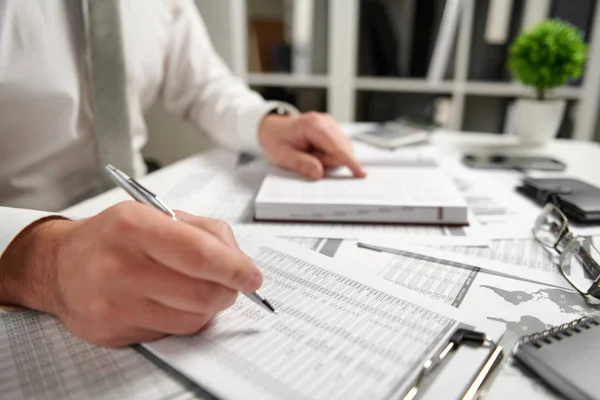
point(340, 333)
point(387, 195)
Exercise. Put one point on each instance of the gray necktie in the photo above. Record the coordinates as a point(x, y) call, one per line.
point(108, 75)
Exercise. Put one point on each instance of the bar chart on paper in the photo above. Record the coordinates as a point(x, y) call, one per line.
point(524, 306)
point(437, 280)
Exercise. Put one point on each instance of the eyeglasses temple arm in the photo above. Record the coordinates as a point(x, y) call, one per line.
point(589, 263)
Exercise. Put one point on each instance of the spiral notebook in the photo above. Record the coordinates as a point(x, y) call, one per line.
point(566, 357)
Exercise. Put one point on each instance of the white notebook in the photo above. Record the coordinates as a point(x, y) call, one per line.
point(416, 195)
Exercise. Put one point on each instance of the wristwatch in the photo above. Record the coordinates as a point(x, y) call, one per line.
point(279, 110)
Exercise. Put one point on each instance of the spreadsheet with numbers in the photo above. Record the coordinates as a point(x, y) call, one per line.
point(42, 360)
point(338, 334)
point(336, 326)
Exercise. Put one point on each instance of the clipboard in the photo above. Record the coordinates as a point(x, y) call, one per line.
point(461, 339)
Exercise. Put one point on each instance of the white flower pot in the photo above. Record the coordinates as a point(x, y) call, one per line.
point(536, 121)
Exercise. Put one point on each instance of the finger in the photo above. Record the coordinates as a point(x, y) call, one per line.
point(217, 227)
point(303, 163)
point(336, 145)
point(345, 157)
point(156, 317)
point(133, 336)
point(177, 291)
point(184, 248)
point(201, 255)
point(328, 161)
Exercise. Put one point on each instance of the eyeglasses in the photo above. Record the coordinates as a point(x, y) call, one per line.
point(578, 261)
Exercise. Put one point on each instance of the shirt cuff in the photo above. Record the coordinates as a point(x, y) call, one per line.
point(12, 310)
point(250, 122)
point(14, 220)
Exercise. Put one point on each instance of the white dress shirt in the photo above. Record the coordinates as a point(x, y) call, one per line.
point(47, 148)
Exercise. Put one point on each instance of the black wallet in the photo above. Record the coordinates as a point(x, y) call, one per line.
point(579, 201)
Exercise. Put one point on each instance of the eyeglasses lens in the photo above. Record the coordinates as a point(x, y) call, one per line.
point(549, 226)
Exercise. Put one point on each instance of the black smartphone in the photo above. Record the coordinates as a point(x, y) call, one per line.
point(499, 161)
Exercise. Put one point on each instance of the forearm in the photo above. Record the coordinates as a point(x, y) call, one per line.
point(28, 266)
point(199, 86)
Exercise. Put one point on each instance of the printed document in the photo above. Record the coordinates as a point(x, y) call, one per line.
point(331, 319)
point(42, 360)
point(339, 333)
point(538, 275)
point(524, 307)
point(495, 203)
point(523, 253)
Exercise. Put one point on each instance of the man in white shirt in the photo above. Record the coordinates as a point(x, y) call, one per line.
point(129, 274)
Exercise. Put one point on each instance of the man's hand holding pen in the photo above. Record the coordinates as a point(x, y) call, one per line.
point(130, 274)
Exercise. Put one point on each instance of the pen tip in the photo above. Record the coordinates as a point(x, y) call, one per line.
point(269, 306)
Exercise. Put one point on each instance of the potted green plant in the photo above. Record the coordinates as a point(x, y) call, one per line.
point(544, 58)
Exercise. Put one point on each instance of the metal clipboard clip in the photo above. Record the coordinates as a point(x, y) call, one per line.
point(459, 338)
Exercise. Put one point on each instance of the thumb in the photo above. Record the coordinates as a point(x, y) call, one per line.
point(302, 163)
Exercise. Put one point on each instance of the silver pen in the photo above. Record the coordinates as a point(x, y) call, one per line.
point(143, 195)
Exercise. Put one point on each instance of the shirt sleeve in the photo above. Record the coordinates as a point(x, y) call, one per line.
point(12, 222)
point(199, 86)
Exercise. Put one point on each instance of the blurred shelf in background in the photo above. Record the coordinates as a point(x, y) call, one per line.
point(370, 59)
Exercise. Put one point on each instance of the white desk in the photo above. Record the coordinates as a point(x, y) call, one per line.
point(582, 159)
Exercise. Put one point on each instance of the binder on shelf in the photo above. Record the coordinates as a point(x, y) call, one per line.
point(377, 56)
point(515, 28)
point(302, 36)
point(565, 357)
point(423, 36)
point(487, 58)
point(535, 12)
point(401, 14)
point(497, 23)
point(440, 59)
point(378, 44)
point(580, 17)
point(265, 35)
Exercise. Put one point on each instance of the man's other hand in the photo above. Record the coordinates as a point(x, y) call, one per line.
point(307, 144)
point(129, 274)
